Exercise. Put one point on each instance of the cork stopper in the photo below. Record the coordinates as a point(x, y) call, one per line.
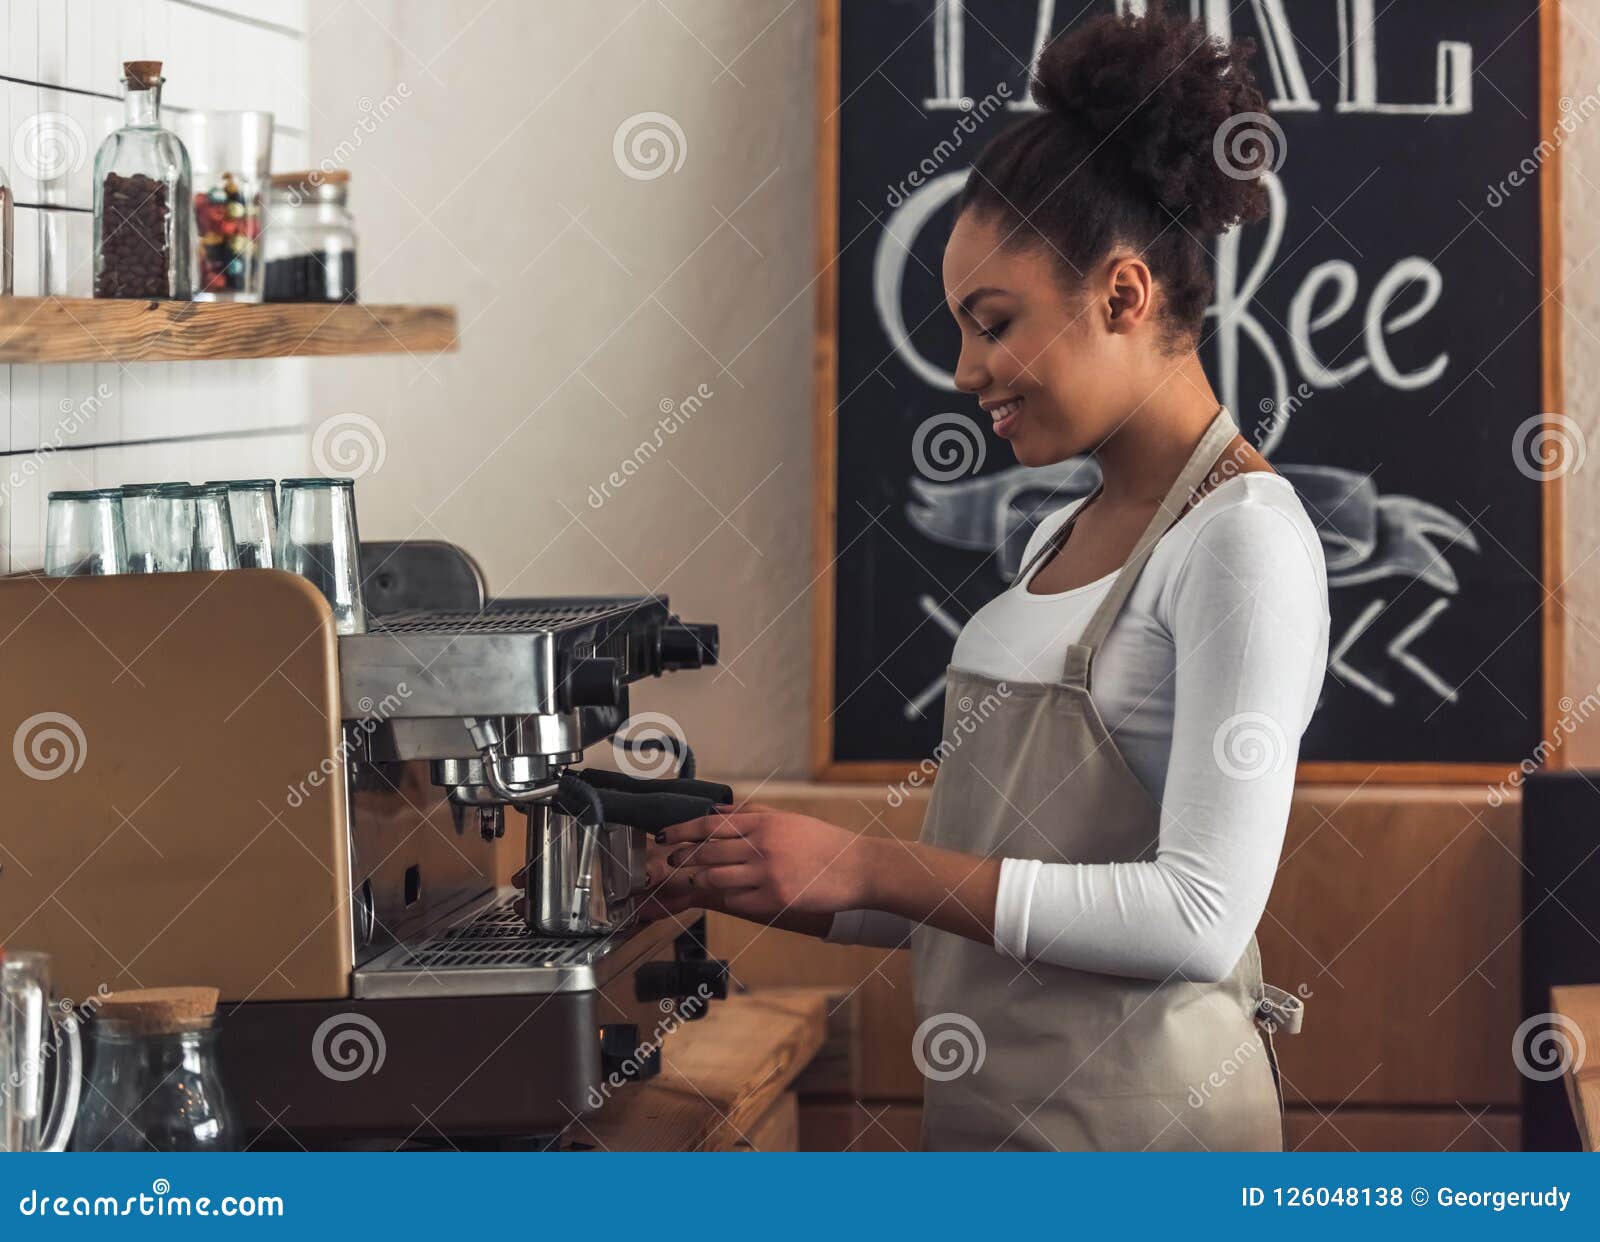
point(142, 73)
point(158, 1011)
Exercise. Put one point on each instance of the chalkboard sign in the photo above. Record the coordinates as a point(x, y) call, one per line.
point(1385, 338)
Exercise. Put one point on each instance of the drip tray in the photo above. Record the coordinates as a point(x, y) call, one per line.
point(490, 952)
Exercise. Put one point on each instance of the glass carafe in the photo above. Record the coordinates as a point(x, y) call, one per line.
point(153, 1090)
point(35, 1037)
point(143, 223)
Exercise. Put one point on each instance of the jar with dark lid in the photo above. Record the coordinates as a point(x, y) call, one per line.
point(143, 225)
point(310, 239)
point(153, 1083)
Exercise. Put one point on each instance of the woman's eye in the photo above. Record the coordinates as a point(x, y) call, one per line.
point(996, 332)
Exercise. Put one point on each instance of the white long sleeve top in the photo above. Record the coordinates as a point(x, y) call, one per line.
point(1206, 682)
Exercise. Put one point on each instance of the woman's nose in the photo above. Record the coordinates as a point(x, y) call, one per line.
point(971, 375)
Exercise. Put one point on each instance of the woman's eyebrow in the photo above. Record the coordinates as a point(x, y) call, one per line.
point(972, 299)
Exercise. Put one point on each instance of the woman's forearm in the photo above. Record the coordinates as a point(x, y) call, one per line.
point(940, 888)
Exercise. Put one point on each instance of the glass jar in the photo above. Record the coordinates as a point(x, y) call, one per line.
point(310, 240)
point(153, 1090)
point(7, 244)
point(143, 225)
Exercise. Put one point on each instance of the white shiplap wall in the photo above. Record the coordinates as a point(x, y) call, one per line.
point(95, 425)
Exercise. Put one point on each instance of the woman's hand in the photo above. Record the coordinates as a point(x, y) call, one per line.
point(770, 866)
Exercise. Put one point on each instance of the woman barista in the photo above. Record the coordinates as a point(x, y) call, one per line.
point(1121, 725)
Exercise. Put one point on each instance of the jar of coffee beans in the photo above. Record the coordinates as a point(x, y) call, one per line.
point(143, 226)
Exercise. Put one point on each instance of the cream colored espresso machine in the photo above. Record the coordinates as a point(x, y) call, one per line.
point(420, 912)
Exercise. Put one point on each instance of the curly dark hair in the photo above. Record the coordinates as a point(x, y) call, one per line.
point(1124, 155)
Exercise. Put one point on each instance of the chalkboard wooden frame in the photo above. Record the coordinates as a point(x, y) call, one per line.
point(826, 767)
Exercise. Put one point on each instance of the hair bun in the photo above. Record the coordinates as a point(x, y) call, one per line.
point(1156, 95)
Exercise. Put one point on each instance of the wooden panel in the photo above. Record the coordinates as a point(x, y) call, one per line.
point(1396, 910)
point(1579, 1007)
point(859, 1125)
point(125, 330)
point(721, 1077)
point(1456, 1129)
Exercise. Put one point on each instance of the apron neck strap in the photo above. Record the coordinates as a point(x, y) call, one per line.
point(1217, 436)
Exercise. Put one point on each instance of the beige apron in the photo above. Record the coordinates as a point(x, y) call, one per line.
point(1059, 1059)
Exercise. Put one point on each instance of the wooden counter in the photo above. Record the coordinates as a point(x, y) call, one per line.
point(1580, 1006)
point(725, 1083)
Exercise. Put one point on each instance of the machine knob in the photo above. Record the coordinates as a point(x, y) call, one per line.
point(700, 980)
point(686, 644)
point(593, 681)
point(621, 1053)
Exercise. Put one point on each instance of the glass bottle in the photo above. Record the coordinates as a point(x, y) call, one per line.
point(153, 1089)
point(143, 225)
point(310, 240)
point(6, 241)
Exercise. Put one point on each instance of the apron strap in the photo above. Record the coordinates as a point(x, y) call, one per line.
point(1053, 545)
point(1205, 454)
point(1281, 1012)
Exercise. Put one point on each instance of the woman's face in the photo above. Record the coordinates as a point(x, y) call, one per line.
point(1048, 365)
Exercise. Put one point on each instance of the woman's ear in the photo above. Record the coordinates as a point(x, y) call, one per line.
point(1129, 293)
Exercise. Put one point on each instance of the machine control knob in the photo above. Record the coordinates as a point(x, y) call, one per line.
point(621, 1054)
point(592, 681)
point(686, 644)
point(698, 980)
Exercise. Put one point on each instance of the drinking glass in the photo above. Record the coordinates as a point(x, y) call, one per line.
point(83, 534)
point(253, 505)
point(33, 1031)
point(174, 524)
point(212, 546)
point(141, 530)
point(318, 539)
point(231, 153)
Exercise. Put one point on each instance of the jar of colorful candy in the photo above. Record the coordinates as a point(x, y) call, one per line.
point(231, 153)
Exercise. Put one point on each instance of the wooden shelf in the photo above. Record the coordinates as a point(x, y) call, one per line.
point(126, 330)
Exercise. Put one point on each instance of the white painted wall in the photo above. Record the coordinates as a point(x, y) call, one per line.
point(60, 62)
point(588, 300)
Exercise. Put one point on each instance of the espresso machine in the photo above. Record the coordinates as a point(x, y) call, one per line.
point(419, 908)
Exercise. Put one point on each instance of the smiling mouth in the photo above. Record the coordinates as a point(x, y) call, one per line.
point(1005, 416)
